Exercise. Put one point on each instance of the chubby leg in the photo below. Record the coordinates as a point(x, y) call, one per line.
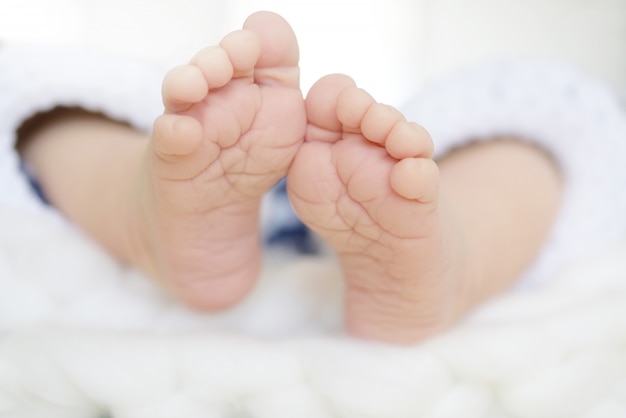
point(420, 243)
point(184, 205)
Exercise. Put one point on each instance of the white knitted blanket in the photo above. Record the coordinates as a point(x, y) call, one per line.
point(82, 337)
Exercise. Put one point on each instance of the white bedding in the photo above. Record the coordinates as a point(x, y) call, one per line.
point(82, 337)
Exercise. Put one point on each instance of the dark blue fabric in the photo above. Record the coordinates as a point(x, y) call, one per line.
point(34, 184)
point(289, 233)
point(297, 238)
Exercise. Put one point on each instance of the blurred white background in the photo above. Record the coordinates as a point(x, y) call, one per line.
point(389, 47)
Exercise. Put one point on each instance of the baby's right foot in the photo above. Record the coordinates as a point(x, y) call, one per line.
point(365, 181)
point(234, 120)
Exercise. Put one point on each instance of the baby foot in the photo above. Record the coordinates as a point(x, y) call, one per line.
point(365, 181)
point(234, 120)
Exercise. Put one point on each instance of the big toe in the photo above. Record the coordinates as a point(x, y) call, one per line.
point(280, 54)
point(321, 108)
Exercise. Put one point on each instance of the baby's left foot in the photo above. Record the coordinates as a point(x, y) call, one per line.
point(365, 181)
point(234, 121)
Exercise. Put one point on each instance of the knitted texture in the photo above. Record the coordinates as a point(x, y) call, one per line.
point(81, 336)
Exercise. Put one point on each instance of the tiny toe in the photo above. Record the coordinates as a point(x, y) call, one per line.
point(182, 87)
point(243, 48)
point(174, 136)
point(408, 139)
point(352, 105)
point(379, 121)
point(416, 179)
point(321, 108)
point(215, 65)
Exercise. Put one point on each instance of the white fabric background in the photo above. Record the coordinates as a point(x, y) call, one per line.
point(388, 47)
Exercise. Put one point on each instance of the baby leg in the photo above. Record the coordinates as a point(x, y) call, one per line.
point(184, 205)
point(420, 243)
